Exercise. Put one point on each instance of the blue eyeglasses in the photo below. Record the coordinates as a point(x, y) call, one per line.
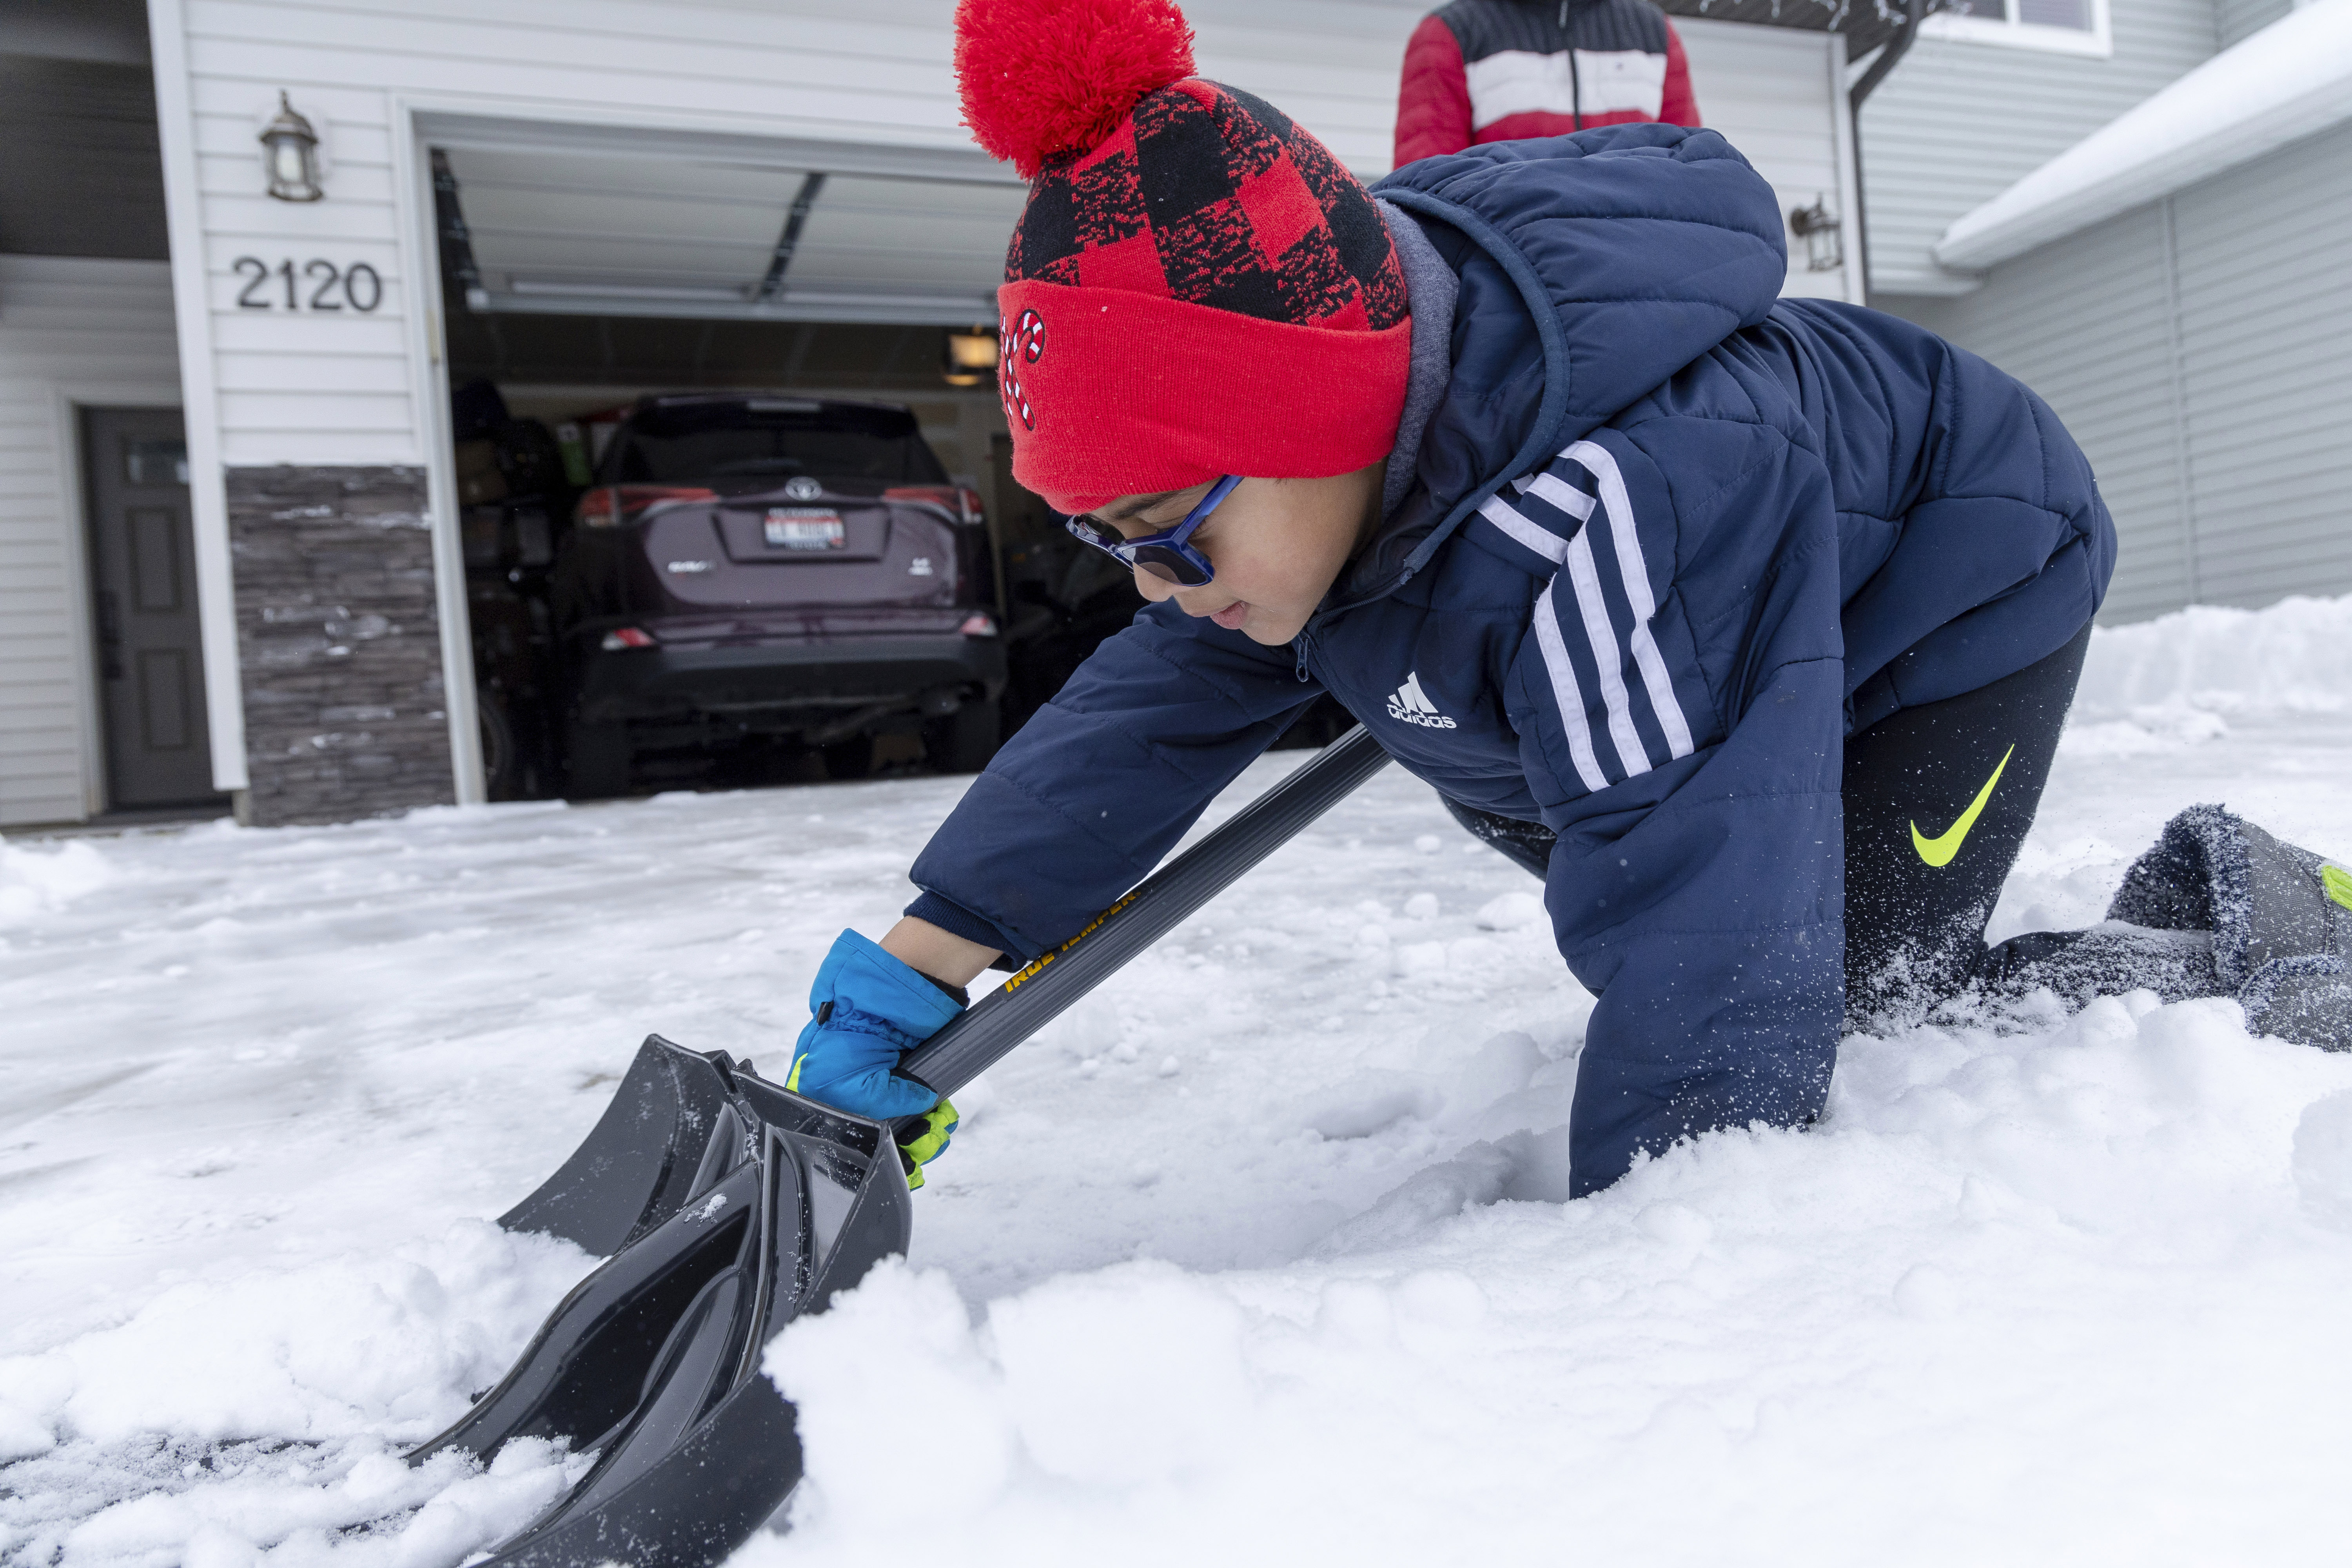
point(1165, 555)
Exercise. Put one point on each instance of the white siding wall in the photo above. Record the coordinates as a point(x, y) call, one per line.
point(2267, 351)
point(71, 332)
point(2235, 19)
point(2200, 350)
point(1956, 124)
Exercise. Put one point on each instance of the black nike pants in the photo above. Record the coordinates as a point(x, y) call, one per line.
point(1938, 800)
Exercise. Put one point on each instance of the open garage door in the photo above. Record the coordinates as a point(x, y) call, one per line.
point(590, 271)
point(597, 221)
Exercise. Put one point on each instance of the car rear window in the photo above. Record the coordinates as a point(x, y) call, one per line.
point(754, 440)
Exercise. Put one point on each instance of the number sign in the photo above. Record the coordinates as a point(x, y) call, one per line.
point(315, 284)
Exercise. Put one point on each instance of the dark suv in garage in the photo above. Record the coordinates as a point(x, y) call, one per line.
point(757, 568)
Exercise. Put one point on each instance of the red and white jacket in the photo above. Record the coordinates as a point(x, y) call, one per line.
point(1499, 71)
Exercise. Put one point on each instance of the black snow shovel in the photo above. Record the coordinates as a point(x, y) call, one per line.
point(729, 1206)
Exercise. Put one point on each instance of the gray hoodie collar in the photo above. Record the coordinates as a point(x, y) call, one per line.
point(1406, 515)
point(1431, 288)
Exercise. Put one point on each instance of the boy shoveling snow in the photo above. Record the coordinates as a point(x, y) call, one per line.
point(1749, 625)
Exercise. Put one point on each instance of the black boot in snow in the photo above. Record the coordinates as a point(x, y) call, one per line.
point(2281, 919)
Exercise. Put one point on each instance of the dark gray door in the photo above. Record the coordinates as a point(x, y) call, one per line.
point(149, 655)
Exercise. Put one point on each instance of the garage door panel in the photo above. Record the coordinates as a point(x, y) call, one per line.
point(864, 271)
point(941, 200)
point(623, 215)
point(676, 181)
point(624, 235)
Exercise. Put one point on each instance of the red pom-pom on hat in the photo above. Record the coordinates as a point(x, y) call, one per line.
point(1046, 77)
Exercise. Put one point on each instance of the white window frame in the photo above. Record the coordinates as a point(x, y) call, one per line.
point(2098, 43)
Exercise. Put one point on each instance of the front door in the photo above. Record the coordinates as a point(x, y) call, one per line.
point(149, 655)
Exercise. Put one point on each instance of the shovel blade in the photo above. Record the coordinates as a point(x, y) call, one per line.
point(693, 1507)
point(654, 1359)
point(635, 1167)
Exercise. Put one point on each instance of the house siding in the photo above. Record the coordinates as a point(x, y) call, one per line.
point(1955, 123)
point(2236, 19)
point(71, 331)
point(2266, 357)
point(2201, 349)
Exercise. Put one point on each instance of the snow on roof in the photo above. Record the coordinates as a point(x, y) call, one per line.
point(2289, 81)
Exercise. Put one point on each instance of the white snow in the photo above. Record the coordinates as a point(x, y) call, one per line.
point(1259, 1254)
point(2290, 80)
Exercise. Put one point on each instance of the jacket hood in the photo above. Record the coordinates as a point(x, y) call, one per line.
point(1592, 268)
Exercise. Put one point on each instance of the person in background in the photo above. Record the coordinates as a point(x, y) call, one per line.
point(1503, 70)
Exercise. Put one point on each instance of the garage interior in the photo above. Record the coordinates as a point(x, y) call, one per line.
point(585, 268)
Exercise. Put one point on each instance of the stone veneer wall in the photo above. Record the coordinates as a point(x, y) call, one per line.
point(338, 643)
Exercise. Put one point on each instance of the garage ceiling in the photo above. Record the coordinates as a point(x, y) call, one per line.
point(608, 221)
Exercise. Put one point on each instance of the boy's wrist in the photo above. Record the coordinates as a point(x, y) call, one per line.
point(937, 955)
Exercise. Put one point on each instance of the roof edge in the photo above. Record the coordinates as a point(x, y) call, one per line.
point(2291, 80)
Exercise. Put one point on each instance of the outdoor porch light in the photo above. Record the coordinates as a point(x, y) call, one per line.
point(290, 150)
point(1824, 233)
point(970, 356)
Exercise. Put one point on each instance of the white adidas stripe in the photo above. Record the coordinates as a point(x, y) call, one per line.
point(1566, 695)
point(1584, 578)
point(1582, 572)
point(1635, 572)
point(1542, 540)
point(1555, 491)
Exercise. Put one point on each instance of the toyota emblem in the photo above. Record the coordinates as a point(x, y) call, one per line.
point(802, 487)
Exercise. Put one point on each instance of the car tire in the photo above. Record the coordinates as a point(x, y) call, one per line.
point(850, 759)
point(964, 740)
point(595, 761)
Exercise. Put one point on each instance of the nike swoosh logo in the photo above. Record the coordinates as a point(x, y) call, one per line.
point(1940, 851)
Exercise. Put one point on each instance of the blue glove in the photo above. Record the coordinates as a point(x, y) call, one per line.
point(870, 1007)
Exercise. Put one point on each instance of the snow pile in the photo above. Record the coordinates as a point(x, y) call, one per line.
point(2295, 656)
point(2159, 685)
point(268, 1409)
point(2290, 80)
point(34, 883)
point(1963, 1298)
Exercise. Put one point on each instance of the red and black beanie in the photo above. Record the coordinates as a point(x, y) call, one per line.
point(1197, 287)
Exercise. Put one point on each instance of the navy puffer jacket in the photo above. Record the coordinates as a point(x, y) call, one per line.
point(1672, 541)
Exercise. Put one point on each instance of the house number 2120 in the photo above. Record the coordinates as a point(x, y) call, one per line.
point(328, 286)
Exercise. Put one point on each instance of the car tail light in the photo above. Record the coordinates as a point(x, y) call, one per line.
point(964, 503)
point(610, 506)
point(978, 627)
point(627, 638)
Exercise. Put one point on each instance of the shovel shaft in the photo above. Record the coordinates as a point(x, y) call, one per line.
point(986, 1032)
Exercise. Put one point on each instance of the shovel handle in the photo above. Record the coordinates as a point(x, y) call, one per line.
point(986, 1032)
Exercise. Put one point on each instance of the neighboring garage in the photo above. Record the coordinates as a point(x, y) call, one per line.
point(527, 217)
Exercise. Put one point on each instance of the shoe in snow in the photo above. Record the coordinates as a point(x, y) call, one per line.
point(2281, 919)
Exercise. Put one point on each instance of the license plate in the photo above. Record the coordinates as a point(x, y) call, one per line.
point(796, 528)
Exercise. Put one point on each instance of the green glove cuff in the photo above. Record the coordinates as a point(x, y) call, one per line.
point(921, 1143)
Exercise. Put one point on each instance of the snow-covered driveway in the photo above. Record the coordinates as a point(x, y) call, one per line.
point(1255, 1257)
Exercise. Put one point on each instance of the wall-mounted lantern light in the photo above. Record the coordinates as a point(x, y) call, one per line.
point(971, 357)
point(290, 150)
point(1824, 233)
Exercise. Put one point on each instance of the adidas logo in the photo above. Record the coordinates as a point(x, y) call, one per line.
point(1411, 705)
